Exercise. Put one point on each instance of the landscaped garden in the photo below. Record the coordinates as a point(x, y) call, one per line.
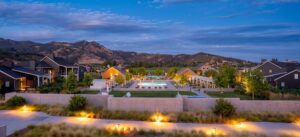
point(228, 95)
point(63, 130)
point(152, 93)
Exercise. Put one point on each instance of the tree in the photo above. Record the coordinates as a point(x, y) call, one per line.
point(119, 79)
point(158, 71)
point(172, 72)
point(87, 79)
point(71, 82)
point(128, 76)
point(210, 73)
point(225, 77)
point(183, 80)
point(253, 83)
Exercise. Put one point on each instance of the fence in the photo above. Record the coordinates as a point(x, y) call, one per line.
point(178, 104)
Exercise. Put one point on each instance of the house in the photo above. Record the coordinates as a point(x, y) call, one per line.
point(202, 82)
point(275, 69)
point(57, 67)
point(20, 78)
point(10, 80)
point(289, 80)
point(187, 72)
point(111, 73)
point(205, 67)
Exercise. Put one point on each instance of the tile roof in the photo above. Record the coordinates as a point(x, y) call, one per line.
point(9, 72)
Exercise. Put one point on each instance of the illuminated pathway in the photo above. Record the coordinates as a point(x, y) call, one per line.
point(16, 120)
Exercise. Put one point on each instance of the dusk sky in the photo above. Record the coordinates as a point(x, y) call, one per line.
point(246, 29)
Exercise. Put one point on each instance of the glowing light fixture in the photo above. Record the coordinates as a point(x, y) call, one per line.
point(26, 108)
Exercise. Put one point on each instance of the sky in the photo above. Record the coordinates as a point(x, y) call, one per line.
point(245, 29)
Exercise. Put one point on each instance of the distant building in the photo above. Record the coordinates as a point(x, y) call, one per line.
point(205, 67)
point(187, 72)
point(112, 72)
point(279, 74)
point(202, 82)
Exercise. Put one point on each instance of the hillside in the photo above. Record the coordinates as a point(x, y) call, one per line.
point(84, 52)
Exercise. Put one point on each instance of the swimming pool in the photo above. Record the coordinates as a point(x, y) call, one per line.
point(152, 84)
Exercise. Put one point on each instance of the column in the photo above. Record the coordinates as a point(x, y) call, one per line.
point(2, 131)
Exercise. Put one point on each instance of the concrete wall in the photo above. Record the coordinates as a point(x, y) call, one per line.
point(162, 104)
point(2, 131)
point(59, 99)
point(146, 104)
point(218, 89)
point(206, 104)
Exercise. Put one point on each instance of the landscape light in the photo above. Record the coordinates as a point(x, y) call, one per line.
point(26, 108)
point(158, 118)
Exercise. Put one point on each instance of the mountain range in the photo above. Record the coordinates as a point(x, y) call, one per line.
point(85, 52)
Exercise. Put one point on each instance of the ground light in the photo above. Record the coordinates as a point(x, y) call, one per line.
point(26, 108)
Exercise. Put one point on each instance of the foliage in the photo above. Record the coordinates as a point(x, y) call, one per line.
point(158, 72)
point(229, 95)
point(210, 73)
point(223, 108)
point(128, 76)
point(87, 79)
point(183, 80)
point(56, 86)
point(172, 72)
point(71, 82)
point(77, 103)
point(253, 82)
point(119, 79)
point(16, 101)
point(138, 71)
point(225, 77)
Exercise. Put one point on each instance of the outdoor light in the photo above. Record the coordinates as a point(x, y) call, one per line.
point(241, 125)
point(26, 108)
point(158, 118)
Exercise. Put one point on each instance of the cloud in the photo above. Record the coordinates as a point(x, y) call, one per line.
point(61, 15)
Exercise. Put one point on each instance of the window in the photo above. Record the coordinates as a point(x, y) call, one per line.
point(270, 71)
point(7, 84)
point(296, 76)
point(282, 84)
point(260, 70)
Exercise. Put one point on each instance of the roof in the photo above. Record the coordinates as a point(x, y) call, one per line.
point(7, 71)
point(28, 71)
point(183, 70)
point(43, 64)
point(298, 69)
point(117, 68)
point(62, 61)
point(59, 61)
point(288, 66)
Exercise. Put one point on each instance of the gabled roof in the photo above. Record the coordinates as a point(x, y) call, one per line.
point(120, 70)
point(7, 71)
point(28, 71)
point(287, 74)
point(59, 61)
point(43, 64)
point(184, 70)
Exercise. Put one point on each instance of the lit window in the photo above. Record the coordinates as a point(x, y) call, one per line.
point(6, 83)
point(282, 84)
point(260, 70)
point(270, 71)
point(296, 76)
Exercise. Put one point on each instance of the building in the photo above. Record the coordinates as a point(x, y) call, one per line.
point(275, 71)
point(111, 73)
point(205, 67)
point(202, 82)
point(10, 80)
point(187, 72)
point(19, 78)
point(57, 67)
point(289, 80)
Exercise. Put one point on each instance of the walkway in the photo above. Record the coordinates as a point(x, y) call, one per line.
point(16, 120)
point(201, 93)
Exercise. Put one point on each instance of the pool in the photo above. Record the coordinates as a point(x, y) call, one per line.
point(152, 84)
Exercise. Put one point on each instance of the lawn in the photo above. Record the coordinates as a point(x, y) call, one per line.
point(151, 93)
point(228, 95)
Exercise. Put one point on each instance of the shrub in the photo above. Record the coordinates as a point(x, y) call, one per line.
point(77, 103)
point(223, 108)
point(16, 101)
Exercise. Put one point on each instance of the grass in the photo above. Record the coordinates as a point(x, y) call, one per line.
point(228, 95)
point(151, 93)
point(63, 130)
